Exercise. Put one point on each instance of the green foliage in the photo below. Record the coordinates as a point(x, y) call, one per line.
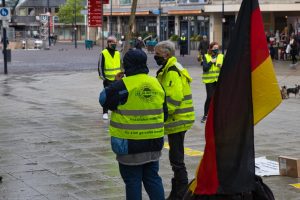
point(66, 12)
point(174, 37)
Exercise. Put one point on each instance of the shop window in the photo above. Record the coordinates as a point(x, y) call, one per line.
point(22, 12)
point(31, 12)
point(125, 2)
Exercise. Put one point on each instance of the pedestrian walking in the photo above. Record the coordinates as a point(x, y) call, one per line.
point(176, 82)
point(109, 66)
point(203, 46)
point(212, 64)
point(137, 126)
point(183, 45)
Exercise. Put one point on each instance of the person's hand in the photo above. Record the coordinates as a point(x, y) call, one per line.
point(119, 76)
point(214, 60)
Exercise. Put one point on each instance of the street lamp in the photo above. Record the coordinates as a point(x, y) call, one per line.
point(159, 10)
point(110, 18)
point(223, 21)
point(49, 15)
point(75, 26)
point(4, 40)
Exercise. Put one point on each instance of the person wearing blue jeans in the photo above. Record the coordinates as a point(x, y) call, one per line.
point(139, 110)
point(147, 174)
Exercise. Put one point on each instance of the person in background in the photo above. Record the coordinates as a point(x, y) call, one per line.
point(176, 82)
point(138, 107)
point(139, 43)
point(203, 46)
point(109, 66)
point(212, 63)
point(183, 44)
point(294, 50)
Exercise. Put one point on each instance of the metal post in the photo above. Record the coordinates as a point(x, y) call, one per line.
point(4, 39)
point(102, 35)
point(159, 19)
point(223, 21)
point(188, 35)
point(110, 19)
point(75, 26)
point(49, 14)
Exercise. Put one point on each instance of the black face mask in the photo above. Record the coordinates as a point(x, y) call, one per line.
point(159, 60)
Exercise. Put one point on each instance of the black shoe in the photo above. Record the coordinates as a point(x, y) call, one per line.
point(173, 192)
point(203, 119)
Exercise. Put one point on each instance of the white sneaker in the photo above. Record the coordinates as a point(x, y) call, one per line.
point(105, 116)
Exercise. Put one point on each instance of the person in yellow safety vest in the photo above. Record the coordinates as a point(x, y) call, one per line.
point(136, 126)
point(109, 65)
point(176, 82)
point(183, 44)
point(212, 63)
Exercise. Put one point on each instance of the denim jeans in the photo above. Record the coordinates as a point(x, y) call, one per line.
point(134, 176)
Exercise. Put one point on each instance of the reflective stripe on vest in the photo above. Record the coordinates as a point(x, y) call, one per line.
point(112, 65)
point(213, 74)
point(142, 116)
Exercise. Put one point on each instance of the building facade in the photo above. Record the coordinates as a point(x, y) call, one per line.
point(28, 17)
point(196, 17)
point(159, 18)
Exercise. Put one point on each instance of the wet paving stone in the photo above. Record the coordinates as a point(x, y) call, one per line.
point(54, 144)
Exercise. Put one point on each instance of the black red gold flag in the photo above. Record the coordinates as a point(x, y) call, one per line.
point(246, 92)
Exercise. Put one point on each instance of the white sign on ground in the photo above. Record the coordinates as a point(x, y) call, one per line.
point(265, 167)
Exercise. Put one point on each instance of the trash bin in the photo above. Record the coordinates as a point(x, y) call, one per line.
point(8, 55)
point(89, 44)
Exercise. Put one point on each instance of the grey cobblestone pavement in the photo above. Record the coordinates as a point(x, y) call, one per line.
point(54, 144)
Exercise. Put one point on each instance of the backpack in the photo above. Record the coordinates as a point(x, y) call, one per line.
point(262, 191)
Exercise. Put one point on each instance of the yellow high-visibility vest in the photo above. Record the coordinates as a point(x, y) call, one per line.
point(142, 116)
point(212, 75)
point(183, 117)
point(112, 65)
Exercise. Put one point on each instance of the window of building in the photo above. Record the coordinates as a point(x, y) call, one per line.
point(125, 2)
point(167, 0)
point(31, 12)
point(22, 12)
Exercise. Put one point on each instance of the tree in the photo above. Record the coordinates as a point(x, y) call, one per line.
point(129, 34)
point(66, 12)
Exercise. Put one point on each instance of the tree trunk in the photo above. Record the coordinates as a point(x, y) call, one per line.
point(129, 34)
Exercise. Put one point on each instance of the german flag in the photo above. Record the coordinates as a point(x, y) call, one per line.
point(247, 91)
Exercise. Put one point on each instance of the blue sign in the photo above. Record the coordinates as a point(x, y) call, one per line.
point(156, 11)
point(4, 12)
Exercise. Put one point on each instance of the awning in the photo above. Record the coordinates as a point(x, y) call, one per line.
point(138, 13)
point(184, 12)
